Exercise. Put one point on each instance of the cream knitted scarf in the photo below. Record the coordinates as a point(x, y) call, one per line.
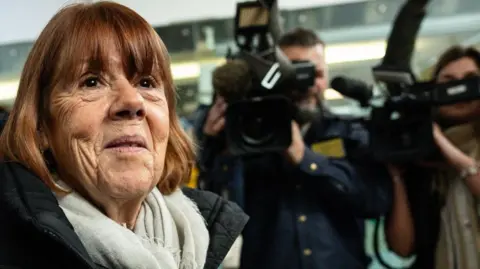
point(169, 233)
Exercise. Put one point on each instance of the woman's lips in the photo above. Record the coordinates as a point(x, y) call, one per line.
point(127, 144)
point(127, 149)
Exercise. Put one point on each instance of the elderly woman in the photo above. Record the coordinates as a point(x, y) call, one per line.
point(93, 155)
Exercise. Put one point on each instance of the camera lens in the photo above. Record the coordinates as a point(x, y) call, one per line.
point(256, 130)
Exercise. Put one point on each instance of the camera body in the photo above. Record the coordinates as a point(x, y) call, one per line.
point(401, 127)
point(260, 121)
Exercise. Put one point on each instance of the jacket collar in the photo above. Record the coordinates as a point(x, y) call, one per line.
point(225, 222)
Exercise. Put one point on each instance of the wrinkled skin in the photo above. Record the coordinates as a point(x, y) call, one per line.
point(92, 112)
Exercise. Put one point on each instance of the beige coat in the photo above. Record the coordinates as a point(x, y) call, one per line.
point(459, 230)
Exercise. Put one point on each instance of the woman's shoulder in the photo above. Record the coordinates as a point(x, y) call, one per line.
point(212, 206)
point(18, 186)
point(32, 224)
point(225, 221)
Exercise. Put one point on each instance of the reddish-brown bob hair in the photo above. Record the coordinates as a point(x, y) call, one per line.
point(77, 33)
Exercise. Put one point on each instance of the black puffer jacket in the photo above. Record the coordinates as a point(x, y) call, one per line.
point(35, 233)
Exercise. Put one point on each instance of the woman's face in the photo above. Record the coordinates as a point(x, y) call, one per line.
point(457, 70)
point(109, 133)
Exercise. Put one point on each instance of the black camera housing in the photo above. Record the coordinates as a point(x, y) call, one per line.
point(259, 125)
point(401, 129)
point(261, 122)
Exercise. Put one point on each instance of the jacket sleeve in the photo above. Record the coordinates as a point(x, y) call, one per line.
point(355, 183)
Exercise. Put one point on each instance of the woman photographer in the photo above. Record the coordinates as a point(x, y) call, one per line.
point(438, 220)
point(93, 155)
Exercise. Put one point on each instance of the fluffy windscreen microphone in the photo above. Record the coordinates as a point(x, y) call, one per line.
point(232, 80)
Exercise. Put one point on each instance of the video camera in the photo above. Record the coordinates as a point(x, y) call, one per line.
point(400, 122)
point(260, 121)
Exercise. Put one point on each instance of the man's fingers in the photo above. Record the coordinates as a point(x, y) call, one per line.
point(217, 112)
point(215, 120)
point(219, 125)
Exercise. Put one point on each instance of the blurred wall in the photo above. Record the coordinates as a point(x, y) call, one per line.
point(22, 20)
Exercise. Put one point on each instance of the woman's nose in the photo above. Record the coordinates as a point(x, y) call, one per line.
point(128, 104)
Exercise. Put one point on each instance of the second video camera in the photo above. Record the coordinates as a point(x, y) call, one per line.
point(400, 121)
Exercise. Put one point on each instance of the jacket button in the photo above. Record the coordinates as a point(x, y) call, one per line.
point(340, 187)
point(313, 166)
point(302, 218)
point(307, 252)
point(225, 168)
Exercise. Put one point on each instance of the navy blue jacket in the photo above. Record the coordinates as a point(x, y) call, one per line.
point(311, 215)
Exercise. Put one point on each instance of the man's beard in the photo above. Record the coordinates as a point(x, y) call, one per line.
point(307, 113)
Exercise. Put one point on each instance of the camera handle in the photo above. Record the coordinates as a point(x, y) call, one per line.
point(275, 27)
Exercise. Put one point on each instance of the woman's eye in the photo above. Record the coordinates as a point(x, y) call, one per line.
point(146, 83)
point(91, 82)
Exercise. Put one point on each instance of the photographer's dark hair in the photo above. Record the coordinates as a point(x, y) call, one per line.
point(300, 37)
point(453, 54)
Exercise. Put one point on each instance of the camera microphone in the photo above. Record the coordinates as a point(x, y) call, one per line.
point(353, 88)
point(232, 80)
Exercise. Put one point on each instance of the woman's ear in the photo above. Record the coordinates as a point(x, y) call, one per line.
point(47, 151)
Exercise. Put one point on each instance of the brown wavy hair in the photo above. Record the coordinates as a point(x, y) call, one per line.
point(76, 33)
point(453, 54)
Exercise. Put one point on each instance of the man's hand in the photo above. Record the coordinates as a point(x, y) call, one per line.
point(216, 118)
point(297, 149)
point(395, 172)
point(454, 156)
